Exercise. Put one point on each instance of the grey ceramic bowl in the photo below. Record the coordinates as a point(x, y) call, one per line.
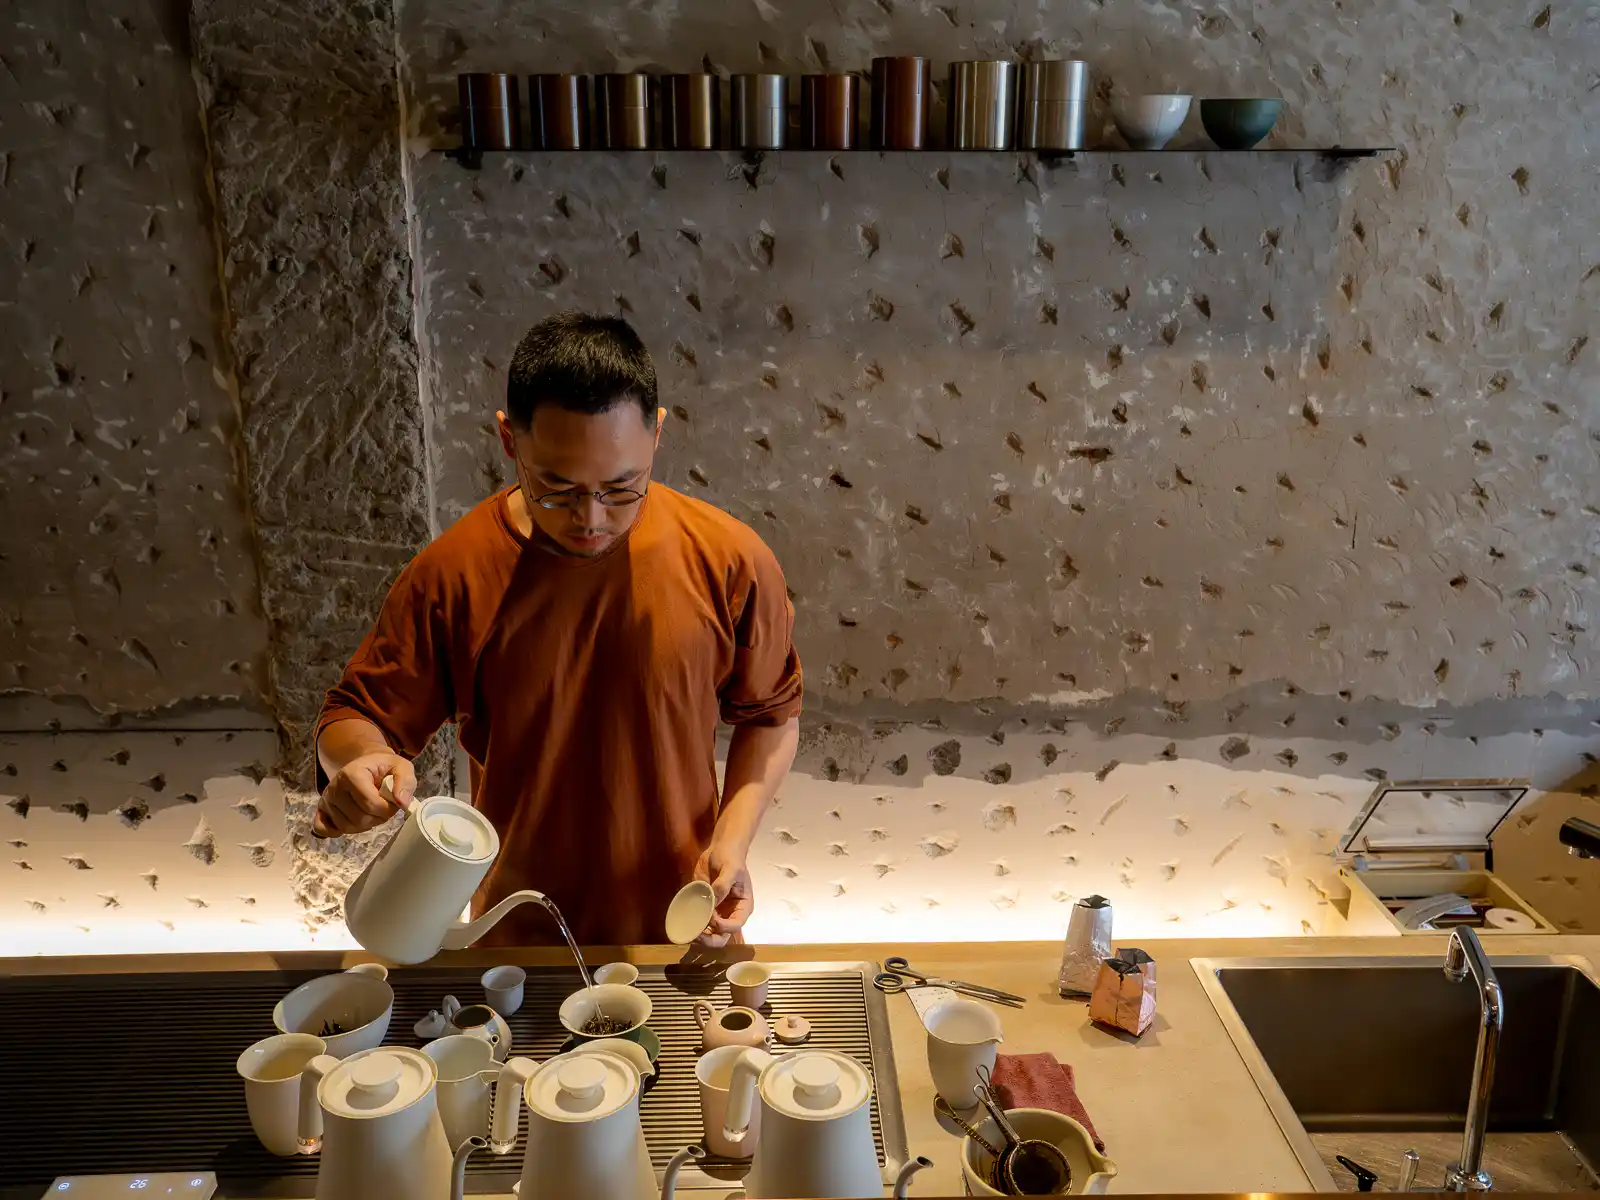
point(1238, 124)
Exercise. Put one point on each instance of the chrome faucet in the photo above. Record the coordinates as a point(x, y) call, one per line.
point(1581, 838)
point(1464, 956)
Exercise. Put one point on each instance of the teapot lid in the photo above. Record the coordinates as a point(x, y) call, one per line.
point(375, 1083)
point(457, 829)
point(582, 1086)
point(815, 1085)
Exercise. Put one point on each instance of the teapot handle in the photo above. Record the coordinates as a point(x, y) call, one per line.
point(703, 1012)
point(747, 1069)
point(450, 1008)
point(310, 1119)
point(512, 1078)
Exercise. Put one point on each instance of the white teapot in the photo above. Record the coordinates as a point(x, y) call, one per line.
point(816, 1127)
point(405, 906)
point(377, 1120)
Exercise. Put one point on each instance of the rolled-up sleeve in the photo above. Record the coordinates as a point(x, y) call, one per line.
point(399, 679)
point(764, 685)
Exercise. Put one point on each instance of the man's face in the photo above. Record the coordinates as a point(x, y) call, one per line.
point(579, 453)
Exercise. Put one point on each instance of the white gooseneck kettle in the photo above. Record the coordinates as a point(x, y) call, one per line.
point(816, 1127)
point(406, 905)
point(584, 1133)
point(377, 1118)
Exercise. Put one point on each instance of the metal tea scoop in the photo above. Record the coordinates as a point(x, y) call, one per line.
point(1027, 1166)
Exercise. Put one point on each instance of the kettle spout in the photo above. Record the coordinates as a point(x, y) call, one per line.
point(460, 936)
point(669, 1179)
point(903, 1178)
point(458, 1168)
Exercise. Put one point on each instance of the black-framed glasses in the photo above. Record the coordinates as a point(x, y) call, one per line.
point(609, 498)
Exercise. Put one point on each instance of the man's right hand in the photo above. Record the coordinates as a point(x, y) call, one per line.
point(354, 800)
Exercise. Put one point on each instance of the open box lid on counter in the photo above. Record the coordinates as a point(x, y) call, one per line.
point(1415, 817)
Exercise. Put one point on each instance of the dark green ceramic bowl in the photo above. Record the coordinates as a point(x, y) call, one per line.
point(1238, 124)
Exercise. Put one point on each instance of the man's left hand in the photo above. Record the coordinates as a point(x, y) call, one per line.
point(729, 878)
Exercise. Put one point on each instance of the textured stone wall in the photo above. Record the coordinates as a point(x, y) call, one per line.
point(303, 115)
point(1158, 425)
point(127, 578)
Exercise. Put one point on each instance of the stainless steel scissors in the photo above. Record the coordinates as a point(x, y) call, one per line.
point(898, 975)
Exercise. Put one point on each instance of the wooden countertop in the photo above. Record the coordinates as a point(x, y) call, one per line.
point(1178, 1109)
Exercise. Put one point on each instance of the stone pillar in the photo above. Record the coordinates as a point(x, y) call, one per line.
point(303, 123)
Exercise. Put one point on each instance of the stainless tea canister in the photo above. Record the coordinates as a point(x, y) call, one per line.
point(760, 111)
point(982, 105)
point(1054, 105)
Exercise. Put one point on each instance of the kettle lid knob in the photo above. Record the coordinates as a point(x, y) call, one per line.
point(374, 1080)
point(816, 1081)
point(582, 1079)
point(455, 833)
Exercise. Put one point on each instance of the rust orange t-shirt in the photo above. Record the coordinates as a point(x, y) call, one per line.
point(587, 693)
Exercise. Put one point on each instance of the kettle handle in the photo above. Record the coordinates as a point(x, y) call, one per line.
point(508, 1088)
point(310, 1119)
point(747, 1070)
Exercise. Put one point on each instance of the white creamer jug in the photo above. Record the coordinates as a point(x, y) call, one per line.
point(406, 905)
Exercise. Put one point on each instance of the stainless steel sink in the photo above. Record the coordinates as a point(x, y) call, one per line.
point(1367, 1056)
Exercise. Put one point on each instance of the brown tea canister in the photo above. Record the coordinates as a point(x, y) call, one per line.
point(829, 112)
point(622, 112)
point(691, 112)
point(902, 92)
point(491, 111)
point(558, 112)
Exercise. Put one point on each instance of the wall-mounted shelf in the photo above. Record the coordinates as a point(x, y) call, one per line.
point(1337, 157)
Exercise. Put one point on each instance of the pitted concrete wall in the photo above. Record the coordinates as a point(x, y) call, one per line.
point(1148, 424)
point(129, 581)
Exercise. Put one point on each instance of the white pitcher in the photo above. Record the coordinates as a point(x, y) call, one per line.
point(381, 1136)
point(584, 1133)
point(816, 1127)
point(405, 906)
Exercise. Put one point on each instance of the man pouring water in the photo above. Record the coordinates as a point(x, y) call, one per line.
point(586, 629)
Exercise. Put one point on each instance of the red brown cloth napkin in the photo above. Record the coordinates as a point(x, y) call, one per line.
point(1039, 1081)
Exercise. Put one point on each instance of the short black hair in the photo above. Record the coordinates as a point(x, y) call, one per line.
point(580, 362)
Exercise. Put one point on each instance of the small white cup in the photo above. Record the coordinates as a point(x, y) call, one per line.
point(625, 974)
point(502, 987)
point(714, 1073)
point(467, 1071)
point(962, 1036)
point(271, 1073)
point(748, 982)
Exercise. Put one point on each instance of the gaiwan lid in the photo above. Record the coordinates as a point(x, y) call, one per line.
point(375, 1083)
point(1433, 815)
point(814, 1085)
point(457, 829)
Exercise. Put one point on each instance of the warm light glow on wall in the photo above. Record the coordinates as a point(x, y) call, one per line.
point(53, 938)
